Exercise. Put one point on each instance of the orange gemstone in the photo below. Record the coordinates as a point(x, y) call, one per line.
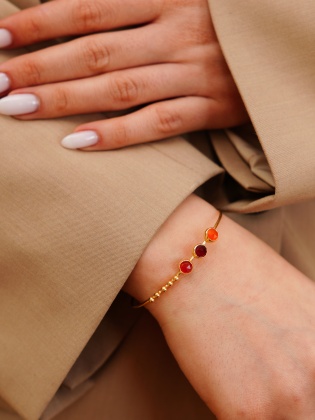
point(212, 234)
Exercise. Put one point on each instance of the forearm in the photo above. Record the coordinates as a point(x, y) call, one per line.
point(224, 322)
point(173, 243)
point(236, 256)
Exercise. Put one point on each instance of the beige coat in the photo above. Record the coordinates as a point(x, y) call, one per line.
point(73, 225)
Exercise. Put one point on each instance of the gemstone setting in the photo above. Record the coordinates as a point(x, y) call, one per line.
point(211, 235)
point(200, 251)
point(185, 267)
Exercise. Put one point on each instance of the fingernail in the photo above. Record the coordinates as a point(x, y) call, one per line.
point(80, 140)
point(4, 82)
point(5, 38)
point(19, 104)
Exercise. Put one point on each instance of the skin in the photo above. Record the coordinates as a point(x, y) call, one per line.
point(241, 325)
point(168, 62)
point(243, 331)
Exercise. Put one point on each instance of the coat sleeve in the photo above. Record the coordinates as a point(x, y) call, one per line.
point(270, 49)
point(73, 225)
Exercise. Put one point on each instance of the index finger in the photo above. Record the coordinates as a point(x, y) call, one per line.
point(73, 17)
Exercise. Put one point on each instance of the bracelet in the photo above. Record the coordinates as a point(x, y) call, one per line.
point(185, 266)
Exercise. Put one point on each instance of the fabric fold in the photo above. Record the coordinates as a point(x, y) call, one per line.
point(272, 65)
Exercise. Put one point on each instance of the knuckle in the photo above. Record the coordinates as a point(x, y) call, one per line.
point(124, 90)
point(120, 136)
point(295, 395)
point(88, 15)
point(252, 411)
point(34, 27)
point(292, 390)
point(168, 122)
point(32, 72)
point(59, 101)
point(175, 4)
point(96, 57)
point(196, 36)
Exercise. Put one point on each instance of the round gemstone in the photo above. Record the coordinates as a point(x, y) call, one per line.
point(212, 234)
point(200, 251)
point(185, 267)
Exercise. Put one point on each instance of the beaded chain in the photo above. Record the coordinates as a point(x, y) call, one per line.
point(186, 266)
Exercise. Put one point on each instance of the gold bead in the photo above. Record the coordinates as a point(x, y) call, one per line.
point(211, 235)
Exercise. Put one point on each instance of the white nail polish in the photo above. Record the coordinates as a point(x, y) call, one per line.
point(80, 140)
point(4, 82)
point(19, 104)
point(5, 38)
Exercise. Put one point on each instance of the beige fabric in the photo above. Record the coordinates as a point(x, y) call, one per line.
point(269, 46)
point(142, 381)
point(74, 224)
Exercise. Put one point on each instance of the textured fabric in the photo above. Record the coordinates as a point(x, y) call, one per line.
point(269, 46)
point(74, 224)
point(142, 381)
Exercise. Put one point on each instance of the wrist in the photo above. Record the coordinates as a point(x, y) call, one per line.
point(173, 243)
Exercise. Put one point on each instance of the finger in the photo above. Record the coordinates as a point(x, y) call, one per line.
point(114, 91)
point(73, 17)
point(154, 122)
point(86, 56)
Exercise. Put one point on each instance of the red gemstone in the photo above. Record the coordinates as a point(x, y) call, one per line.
point(212, 234)
point(185, 267)
point(200, 251)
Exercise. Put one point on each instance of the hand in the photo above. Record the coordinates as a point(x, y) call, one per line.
point(241, 325)
point(167, 62)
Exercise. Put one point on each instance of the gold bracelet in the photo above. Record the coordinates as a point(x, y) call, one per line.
point(185, 266)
